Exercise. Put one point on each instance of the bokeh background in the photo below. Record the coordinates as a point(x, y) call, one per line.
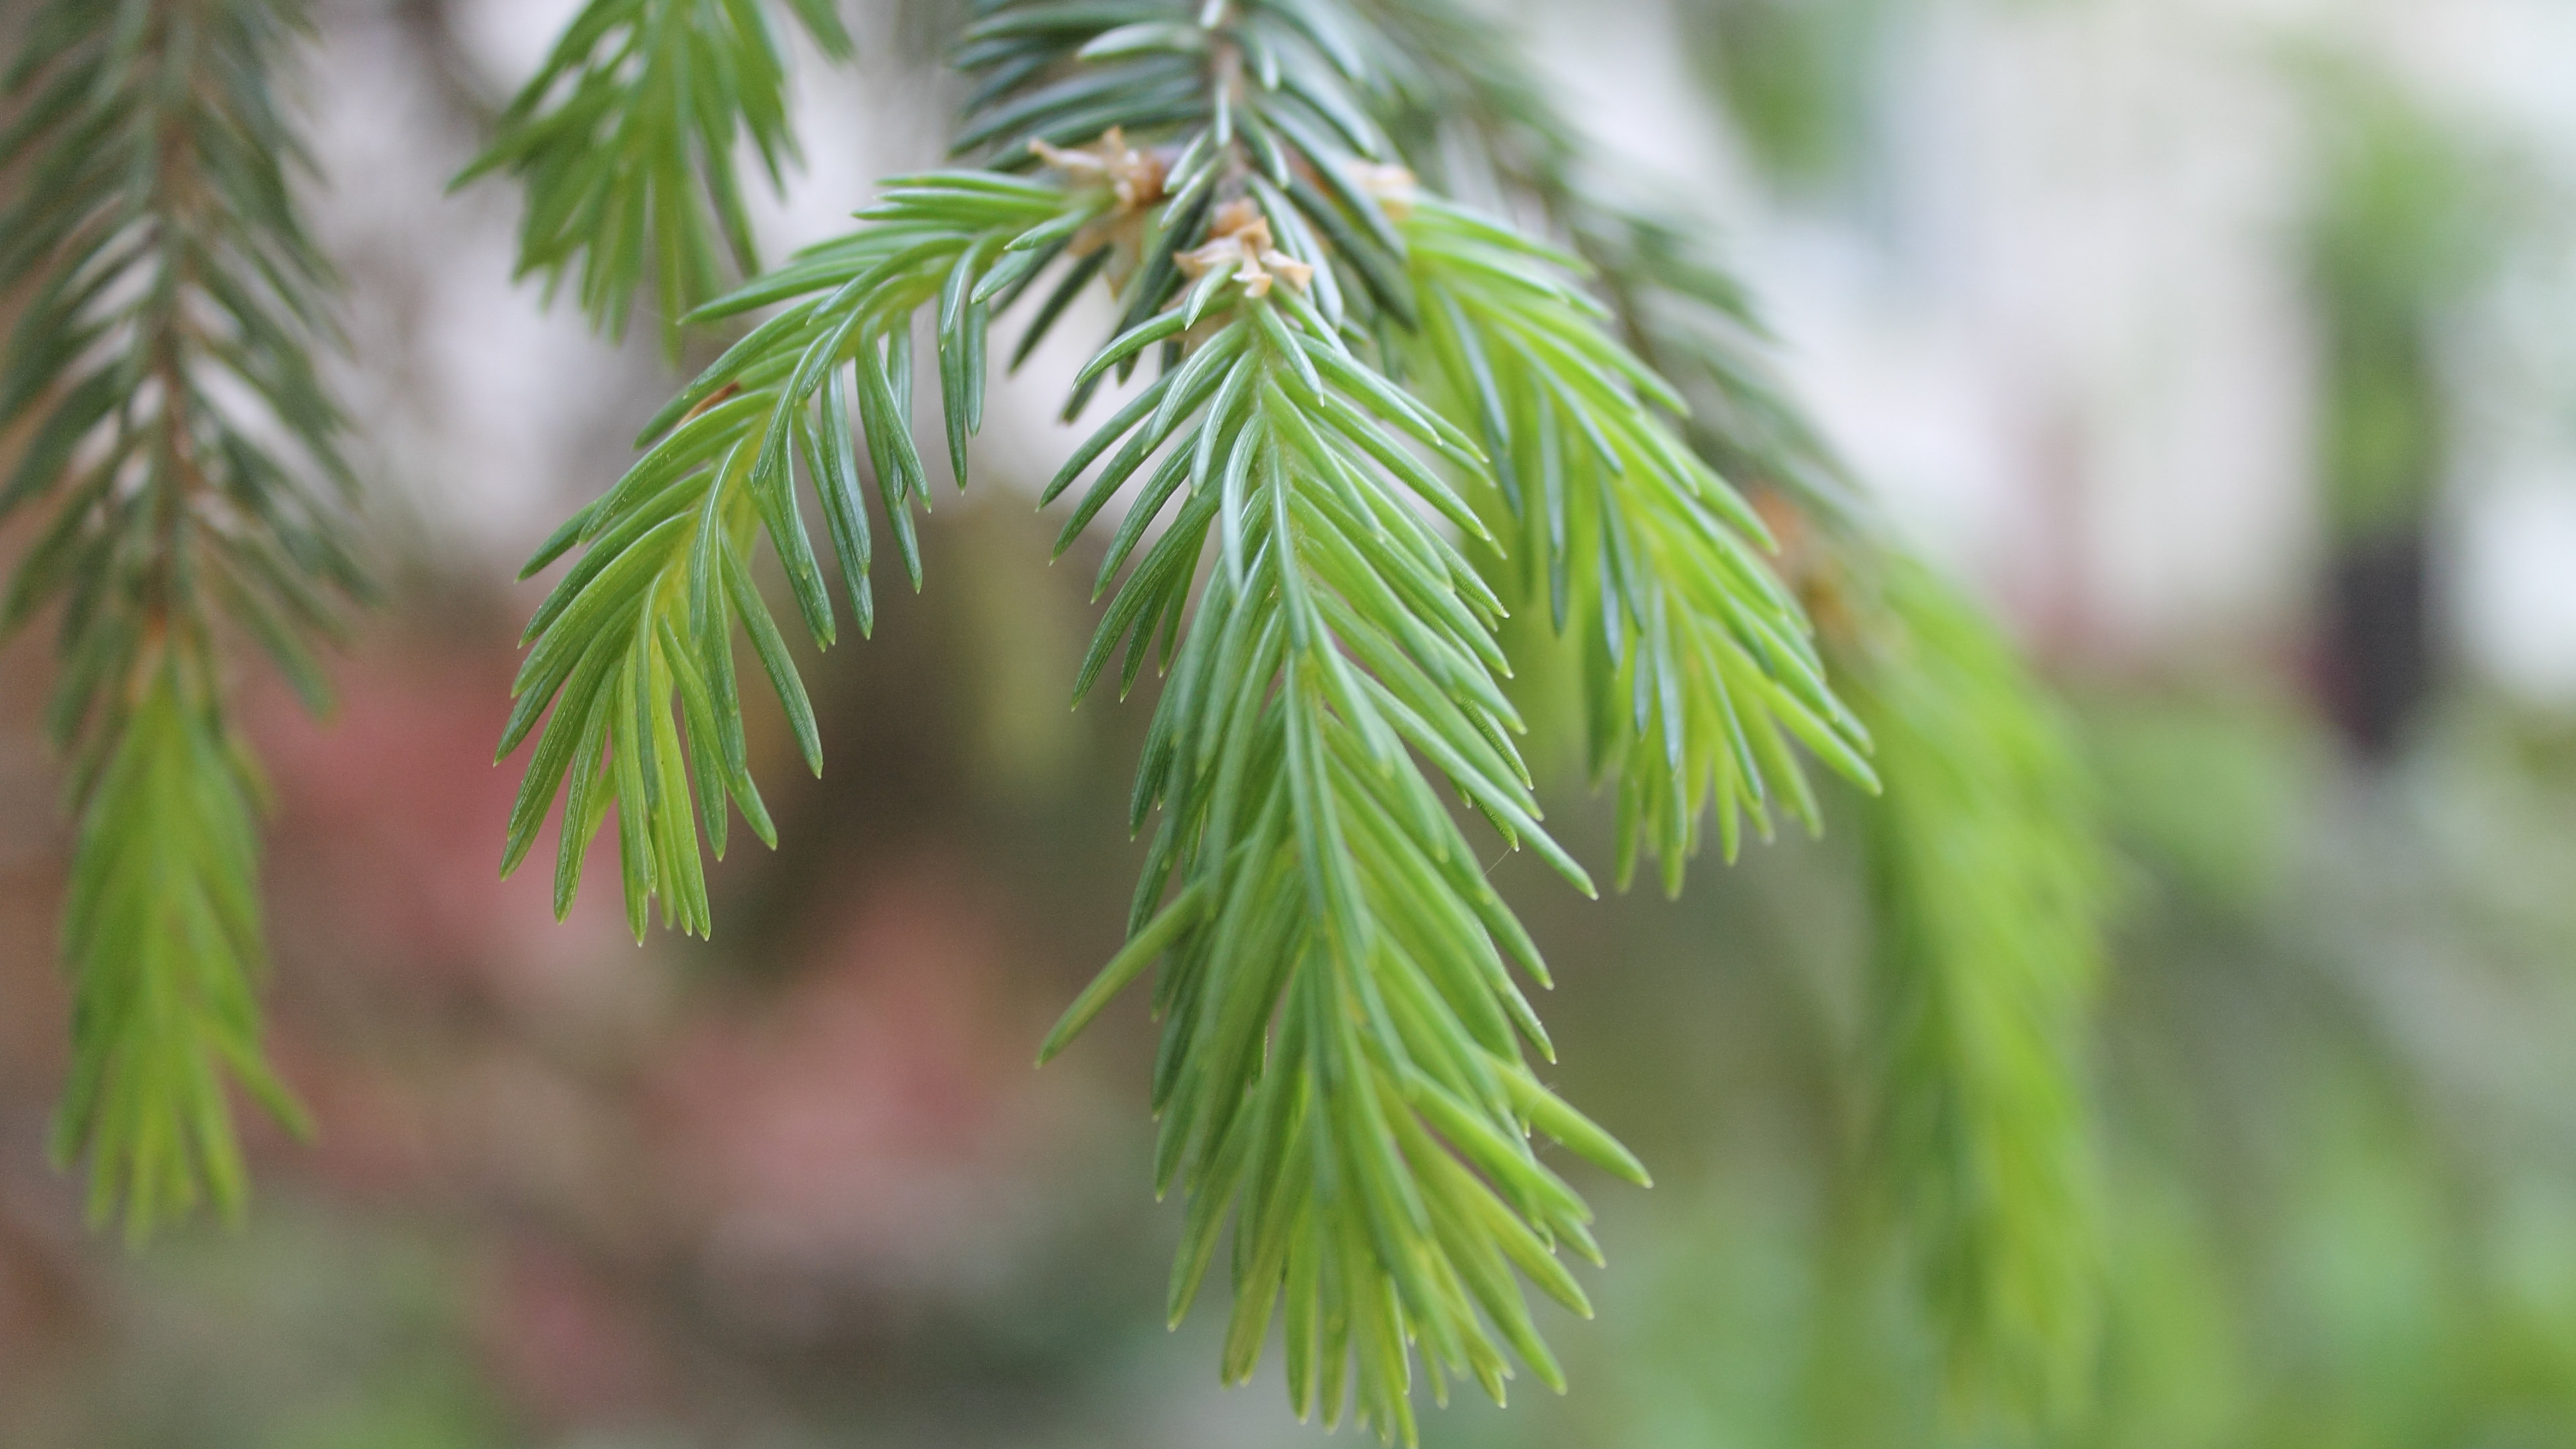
point(2227, 348)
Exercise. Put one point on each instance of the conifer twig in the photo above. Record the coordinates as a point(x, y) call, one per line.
point(191, 460)
point(1343, 1073)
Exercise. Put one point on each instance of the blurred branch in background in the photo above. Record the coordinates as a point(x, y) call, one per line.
point(1986, 886)
point(164, 375)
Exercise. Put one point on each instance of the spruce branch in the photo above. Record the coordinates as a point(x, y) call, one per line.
point(626, 141)
point(1342, 1076)
point(1371, 1146)
point(191, 459)
point(642, 626)
point(1341, 1072)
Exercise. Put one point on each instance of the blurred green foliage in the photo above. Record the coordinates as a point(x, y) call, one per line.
point(1798, 78)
